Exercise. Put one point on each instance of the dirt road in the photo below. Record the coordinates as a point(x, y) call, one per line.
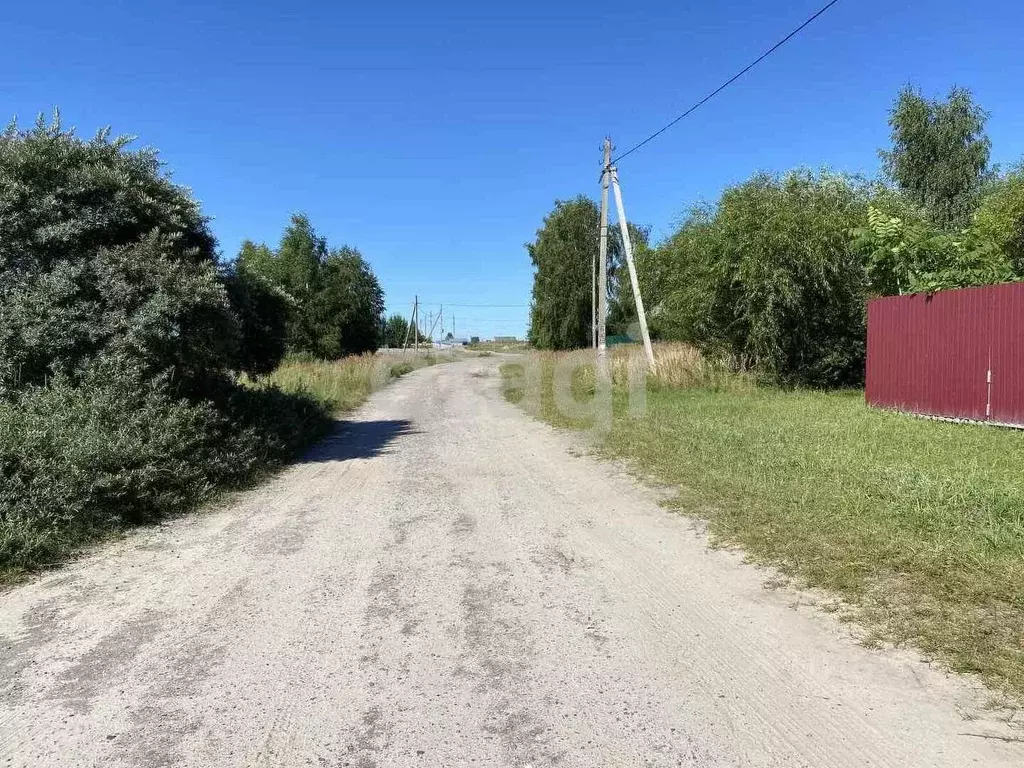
point(444, 583)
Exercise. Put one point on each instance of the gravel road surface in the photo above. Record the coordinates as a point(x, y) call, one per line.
point(445, 582)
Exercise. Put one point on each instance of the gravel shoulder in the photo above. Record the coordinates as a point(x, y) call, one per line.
point(443, 582)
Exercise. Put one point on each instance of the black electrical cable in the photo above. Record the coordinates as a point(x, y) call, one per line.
point(730, 81)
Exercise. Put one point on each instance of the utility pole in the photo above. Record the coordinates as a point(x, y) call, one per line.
point(602, 287)
point(634, 281)
point(430, 333)
point(408, 329)
point(416, 323)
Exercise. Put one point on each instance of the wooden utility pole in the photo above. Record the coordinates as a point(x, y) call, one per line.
point(416, 323)
point(634, 281)
point(602, 281)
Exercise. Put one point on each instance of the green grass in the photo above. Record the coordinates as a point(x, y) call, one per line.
point(918, 525)
point(498, 346)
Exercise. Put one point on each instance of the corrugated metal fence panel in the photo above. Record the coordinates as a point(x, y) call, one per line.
point(958, 330)
point(889, 379)
point(929, 353)
point(1008, 354)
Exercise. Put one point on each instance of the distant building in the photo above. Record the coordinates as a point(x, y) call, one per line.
point(505, 339)
point(454, 342)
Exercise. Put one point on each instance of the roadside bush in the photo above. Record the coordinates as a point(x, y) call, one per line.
point(63, 198)
point(769, 279)
point(136, 302)
point(264, 312)
point(911, 255)
point(119, 339)
point(100, 254)
point(1000, 217)
point(121, 449)
point(400, 369)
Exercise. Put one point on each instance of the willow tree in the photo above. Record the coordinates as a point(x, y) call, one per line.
point(563, 254)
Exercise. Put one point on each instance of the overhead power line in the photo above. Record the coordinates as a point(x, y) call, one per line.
point(478, 306)
point(730, 81)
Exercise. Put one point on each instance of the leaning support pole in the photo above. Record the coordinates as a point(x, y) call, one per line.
point(408, 328)
point(624, 226)
point(430, 333)
point(593, 301)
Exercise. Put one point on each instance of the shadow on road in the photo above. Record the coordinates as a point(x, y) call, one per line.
point(358, 440)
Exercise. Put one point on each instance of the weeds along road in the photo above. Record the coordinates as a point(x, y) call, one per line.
point(443, 583)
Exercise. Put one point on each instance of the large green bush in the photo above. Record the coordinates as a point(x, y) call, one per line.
point(1000, 217)
point(101, 254)
point(769, 279)
point(119, 338)
point(119, 448)
point(909, 254)
point(263, 311)
point(137, 302)
point(63, 198)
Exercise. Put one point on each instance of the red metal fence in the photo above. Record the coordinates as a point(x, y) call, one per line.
point(955, 354)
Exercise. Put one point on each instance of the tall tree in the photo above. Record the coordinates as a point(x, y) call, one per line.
point(258, 259)
point(939, 154)
point(336, 303)
point(395, 331)
point(300, 255)
point(348, 309)
point(562, 256)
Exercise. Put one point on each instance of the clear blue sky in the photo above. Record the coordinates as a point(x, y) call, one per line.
point(435, 136)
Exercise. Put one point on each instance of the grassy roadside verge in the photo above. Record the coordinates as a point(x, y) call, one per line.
point(917, 526)
point(341, 385)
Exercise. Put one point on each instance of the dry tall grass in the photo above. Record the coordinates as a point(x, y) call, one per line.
point(677, 366)
point(345, 384)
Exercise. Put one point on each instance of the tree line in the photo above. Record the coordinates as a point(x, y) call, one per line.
point(774, 276)
point(123, 334)
point(328, 302)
